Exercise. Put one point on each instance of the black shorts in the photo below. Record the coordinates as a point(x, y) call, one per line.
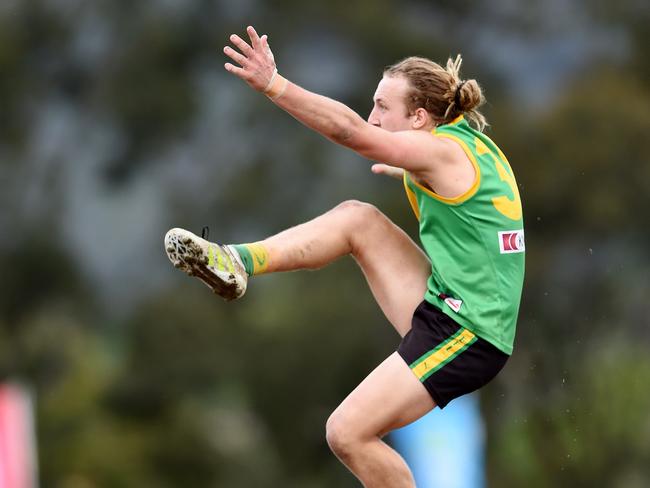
point(448, 359)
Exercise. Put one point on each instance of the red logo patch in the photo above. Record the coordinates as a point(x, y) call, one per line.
point(511, 241)
point(454, 304)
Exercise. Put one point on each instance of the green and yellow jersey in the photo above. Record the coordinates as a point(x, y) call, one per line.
point(475, 241)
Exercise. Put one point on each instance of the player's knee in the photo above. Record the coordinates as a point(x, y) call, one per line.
point(340, 437)
point(357, 208)
point(360, 214)
point(363, 224)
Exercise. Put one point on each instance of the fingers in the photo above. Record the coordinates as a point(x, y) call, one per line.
point(234, 55)
point(258, 44)
point(255, 39)
point(267, 48)
point(385, 169)
point(380, 168)
point(240, 72)
point(256, 63)
point(241, 45)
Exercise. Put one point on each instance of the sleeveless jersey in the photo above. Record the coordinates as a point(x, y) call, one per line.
point(475, 241)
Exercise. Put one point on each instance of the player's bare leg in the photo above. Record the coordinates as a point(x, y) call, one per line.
point(396, 270)
point(355, 429)
point(394, 266)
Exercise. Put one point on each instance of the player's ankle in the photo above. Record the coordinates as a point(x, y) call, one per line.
point(254, 257)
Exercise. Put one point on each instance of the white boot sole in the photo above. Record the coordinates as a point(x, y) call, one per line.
point(190, 254)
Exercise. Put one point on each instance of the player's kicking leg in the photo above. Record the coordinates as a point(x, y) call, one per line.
point(395, 268)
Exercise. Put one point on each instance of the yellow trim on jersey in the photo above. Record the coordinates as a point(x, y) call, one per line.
point(505, 160)
point(477, 178)
point(509, 207)
point(456, 120)
point(410, 195)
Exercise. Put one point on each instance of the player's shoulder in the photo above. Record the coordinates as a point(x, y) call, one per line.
point(427, 139)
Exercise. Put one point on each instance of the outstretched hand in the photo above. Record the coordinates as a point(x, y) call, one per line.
point(385, 169)
point(256, 60)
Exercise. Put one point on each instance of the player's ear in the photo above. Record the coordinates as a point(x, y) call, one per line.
point(420, 118)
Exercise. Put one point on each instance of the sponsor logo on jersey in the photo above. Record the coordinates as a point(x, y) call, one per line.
point(454, 304)
point(511, 241)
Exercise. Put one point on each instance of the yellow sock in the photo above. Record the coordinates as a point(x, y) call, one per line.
point(254, 256)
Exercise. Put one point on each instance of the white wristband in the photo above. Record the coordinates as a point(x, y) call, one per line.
point(270, 84)
point(276, 86)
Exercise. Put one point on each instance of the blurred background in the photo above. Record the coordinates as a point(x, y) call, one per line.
point(118, 121)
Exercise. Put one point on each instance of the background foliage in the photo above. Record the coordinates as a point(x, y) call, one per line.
point(117, 121)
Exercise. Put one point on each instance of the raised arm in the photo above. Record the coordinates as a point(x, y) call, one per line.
point(413, 150)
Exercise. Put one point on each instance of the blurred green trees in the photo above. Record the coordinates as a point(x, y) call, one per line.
point(117, 122)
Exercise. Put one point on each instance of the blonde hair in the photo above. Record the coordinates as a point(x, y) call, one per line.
point(440, 91)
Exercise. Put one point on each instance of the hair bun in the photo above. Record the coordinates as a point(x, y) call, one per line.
point(439, 90)
point(457, 93)
point(468, 96)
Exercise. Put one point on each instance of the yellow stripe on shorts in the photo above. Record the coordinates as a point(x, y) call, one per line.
point(435, 359)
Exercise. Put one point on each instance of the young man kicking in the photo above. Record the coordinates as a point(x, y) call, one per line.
point(455, 304)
